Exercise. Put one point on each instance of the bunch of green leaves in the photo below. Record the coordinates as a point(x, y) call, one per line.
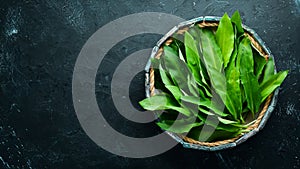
point(210, 81)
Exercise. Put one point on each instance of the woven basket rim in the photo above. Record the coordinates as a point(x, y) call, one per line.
point(266, 107)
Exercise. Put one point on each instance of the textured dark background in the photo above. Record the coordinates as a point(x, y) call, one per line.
point(39, 44)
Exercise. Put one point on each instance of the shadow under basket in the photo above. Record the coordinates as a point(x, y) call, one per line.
point(261, 117)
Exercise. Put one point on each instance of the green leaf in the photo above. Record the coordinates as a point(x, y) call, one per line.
point(269, 70)
point(218, 81)
point(195, 32)
point(207, 112)
point(192, 56)
point(206, 103)
point(156, 102)
point(164, 77)
point(225, 38)
point(192, 85)
point(245, 54)
point(259, 64)
point(274, 81)
point(213, 60)
point(193, 99)
point(233, 98)
point(178, 47)
point(181, 110)
point(193, 59)
point(205, 134)
point(162, 102)
point(236, 19)
point(180, 73)
point(213, 121)
point(179, 126)
point(249, 81)
point(177, 69)
point(175, 91)
point(212, 54)
point(225, 121)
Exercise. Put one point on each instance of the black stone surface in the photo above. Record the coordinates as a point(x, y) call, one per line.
point(39, 44)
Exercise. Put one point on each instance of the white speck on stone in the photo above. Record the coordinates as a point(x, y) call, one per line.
point(12, 32)
point(290, 109)
point(194, 3)
point(13, 133)
point(13, 22)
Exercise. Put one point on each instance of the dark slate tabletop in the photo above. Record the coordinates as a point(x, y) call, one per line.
point(40, 42)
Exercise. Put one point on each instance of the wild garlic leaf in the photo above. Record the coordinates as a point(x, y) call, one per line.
point(206, 103)
point(233, 98)
point(162, 102)
point(249, 81)
point(204, 88)
point(212, 54)
point(192, 56)
point(269, 69)
point(179, 126)
point(156, 102)
point(164, 76)
point(207, 135)
point(213, 121)
point(218, 81)
point(192, 99)
point(236, 19)
point(269, 85)
point(175, 91)
point(207, 112)
point(245, 54)
point(212, 110)
point(225, 121)
point(193, 60)
point(181, 110)
point(225, 38)
point(178, 47)
point(195, 32)
point(192, 86)
point(213, 60)
point(259, 64)
point(177, 69)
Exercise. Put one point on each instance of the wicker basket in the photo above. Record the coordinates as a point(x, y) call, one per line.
point(265, 110)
